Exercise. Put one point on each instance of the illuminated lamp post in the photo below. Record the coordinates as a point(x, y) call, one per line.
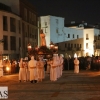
point(8, 69)
point(43, 51)
point(53, 47)
point(29, 47)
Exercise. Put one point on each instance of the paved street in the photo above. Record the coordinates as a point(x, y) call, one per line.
point(82, 86)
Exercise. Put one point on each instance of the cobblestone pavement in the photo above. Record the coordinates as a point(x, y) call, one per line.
point(82, 86)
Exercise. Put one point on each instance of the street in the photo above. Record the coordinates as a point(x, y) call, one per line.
point(82, 86)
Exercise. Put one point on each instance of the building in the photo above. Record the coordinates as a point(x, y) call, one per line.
point(53, 28)
point(73, 38)
point(18, 27)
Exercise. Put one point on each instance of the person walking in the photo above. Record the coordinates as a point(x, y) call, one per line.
point(53, 69)
point(21, 71)
point(25, 64)
point(41, 71)
point(32, 65)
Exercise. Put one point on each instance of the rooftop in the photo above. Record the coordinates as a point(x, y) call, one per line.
point(5, 7)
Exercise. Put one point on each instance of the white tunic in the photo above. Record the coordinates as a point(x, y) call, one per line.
point(76, 66)
point(21, 70)
point(40, 70)
point(32, 65)
point(53, 70)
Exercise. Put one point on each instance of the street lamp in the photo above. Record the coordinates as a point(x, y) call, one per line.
point(29, 46)
point(42, 50)
point(53, 47)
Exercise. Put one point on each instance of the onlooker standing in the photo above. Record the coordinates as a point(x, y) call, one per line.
point(76, 65)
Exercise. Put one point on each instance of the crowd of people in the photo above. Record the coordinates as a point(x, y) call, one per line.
point(8, 66)
point(34, 70)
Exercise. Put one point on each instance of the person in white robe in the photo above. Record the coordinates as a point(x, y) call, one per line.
point(53, 69)
point(25, 63)
point(32, 65)
point(1, 68)
point(21, 71)
point(40, 67)
point(76, 65)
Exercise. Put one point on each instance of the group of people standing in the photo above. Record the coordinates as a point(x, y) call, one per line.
point(34, 70)
point(8, 66)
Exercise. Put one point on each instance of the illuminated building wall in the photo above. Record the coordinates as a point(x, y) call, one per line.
point(74, 39)
point(20, 19)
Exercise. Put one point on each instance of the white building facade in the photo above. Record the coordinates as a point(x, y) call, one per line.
point(71, 40)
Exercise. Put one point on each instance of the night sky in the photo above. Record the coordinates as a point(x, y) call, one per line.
point(71, 10)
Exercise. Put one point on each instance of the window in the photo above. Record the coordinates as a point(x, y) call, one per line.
point(98, 37)
point(19, 26)
point(33, 19)
point(30, 17)
point(77, 36)
point(57, 30)
point(12, 42)
point(25, 14)
point(19, 42)
point(86, 45)
point(87, 38)
point(56, 21)
point(71, 45)
point(5, 26)
point(77, 45)
point(73, 36)
point(68, 35)
point(65, 45)
point(68, 45)
point(5, 42)
point(80, 46)
point(45, 23)
point(74, 45)
point(12, 24)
